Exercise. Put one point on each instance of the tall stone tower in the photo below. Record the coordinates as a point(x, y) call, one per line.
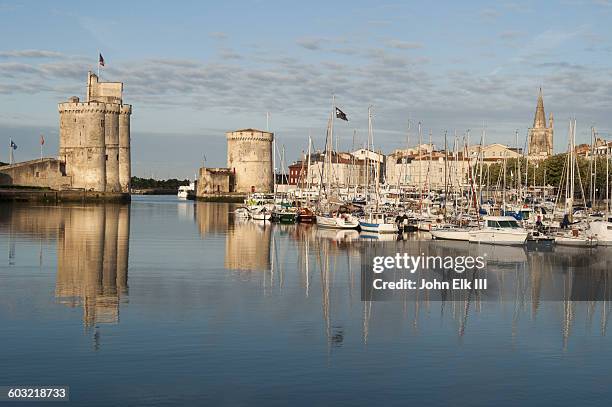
point(125, 162)
point(249, 157)
point(540, 136)
point(95, 138)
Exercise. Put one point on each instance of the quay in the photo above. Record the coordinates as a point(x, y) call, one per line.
point(228, 197)
point(51, 196)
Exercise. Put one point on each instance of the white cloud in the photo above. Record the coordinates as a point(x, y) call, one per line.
point(30, 53)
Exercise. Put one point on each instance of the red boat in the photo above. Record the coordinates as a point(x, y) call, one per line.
point(305, 215)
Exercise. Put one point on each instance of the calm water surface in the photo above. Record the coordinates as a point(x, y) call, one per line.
point(165, 302)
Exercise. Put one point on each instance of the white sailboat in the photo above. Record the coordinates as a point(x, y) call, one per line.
point(575, 236)
point(451, 233)
point(338, 221)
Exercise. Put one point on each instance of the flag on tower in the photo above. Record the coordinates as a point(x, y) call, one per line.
point(13, 145)
point(42, 140)
point(101, 60)
point(341, 115)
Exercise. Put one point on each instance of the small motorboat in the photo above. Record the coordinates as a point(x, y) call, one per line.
point(338, 221)
point(242, 212)
point(261, 214)
point(500, 230)
point(287, 216)
point(376, 222)
point(576, 238)
point(537, 239)
point(305, 215)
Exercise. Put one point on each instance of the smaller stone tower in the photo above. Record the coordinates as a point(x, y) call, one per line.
point(540, 136)
point(249, 157)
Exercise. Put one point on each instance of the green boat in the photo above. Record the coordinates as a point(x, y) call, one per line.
point(288, 217)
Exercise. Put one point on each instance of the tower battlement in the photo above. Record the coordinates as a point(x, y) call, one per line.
point(95, 138)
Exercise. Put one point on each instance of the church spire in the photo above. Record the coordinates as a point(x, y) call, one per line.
point(540, 117)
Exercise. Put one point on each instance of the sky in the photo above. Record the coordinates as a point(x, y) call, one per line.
point(194, 70)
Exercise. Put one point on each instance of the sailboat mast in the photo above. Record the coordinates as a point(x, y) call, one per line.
point(607, 179)
point(331, 142)
point(420, 166)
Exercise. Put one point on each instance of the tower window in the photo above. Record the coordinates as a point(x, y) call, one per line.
point(106, 157)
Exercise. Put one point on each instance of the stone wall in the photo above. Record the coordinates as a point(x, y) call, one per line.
point(213, 181)
point(46, 173)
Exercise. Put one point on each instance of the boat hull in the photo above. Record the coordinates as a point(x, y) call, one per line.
point(457, 235)
point(336, 223)
point(575, 241)
point(287, 218)
point(495, 237)
point(378, 227)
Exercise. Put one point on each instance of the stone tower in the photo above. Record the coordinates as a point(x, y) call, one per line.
point(95, 138)
point(249, 157)
point(540, 136)
point(125, 163)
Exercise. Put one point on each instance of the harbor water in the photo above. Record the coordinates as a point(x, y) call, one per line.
point(168, 302)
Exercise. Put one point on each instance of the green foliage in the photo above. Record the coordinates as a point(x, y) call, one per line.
point(150, 183)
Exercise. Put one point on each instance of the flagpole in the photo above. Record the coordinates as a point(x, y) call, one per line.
point(98, 64)
point(10, 150)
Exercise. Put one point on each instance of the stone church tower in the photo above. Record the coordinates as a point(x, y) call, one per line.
point(540, 136)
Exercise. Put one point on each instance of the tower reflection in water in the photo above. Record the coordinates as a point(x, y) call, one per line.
point(92, 260)
point(247, 243)
point(92, 252)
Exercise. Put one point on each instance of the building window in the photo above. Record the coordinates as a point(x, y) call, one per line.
point(106, 157)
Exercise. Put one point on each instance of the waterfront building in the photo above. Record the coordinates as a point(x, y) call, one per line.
point(493, 152)
point(433, 171)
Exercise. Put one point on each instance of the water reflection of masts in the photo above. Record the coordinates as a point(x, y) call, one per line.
point(466, 306)
point(324, 270)
point(568, 307)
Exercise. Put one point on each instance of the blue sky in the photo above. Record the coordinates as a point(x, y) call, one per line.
point(193, 70)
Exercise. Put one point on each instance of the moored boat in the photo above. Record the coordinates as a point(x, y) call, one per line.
point(501, 230)
point(305, 215)
point(451, 233)
point(376, 222)
point(340, 221)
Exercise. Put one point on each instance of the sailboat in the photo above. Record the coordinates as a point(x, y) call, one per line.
point(374, 220)
point(574, 236)
point(338, 221)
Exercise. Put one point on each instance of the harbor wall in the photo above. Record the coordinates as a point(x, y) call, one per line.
point(50, 196)
point(41, 173)
point(214, 181)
